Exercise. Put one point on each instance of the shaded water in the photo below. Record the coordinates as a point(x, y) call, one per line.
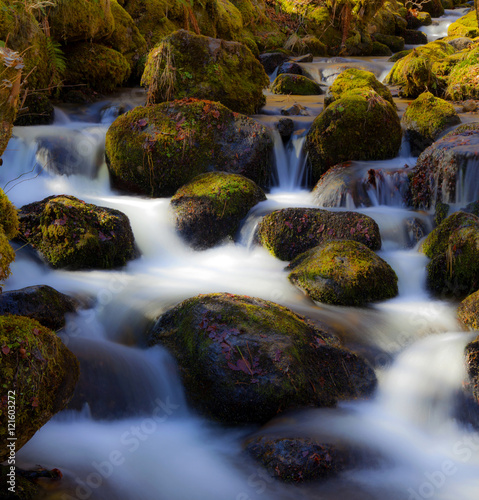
point(134, 438)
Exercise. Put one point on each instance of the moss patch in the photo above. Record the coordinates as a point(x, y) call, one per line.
point(464, 26)
point(463, 76)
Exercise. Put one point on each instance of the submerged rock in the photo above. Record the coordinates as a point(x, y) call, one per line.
point(211, 207)
point(69, 233)
point(205, 68)
point(40, 372)
point(154, 150)
point(244, 359)
point(289, 232)
point(343, 273)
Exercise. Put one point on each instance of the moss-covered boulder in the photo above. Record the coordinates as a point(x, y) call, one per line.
point(442, 165)
point(69, 233)
point(41, 303)
point(101, 68)
point(154, 150)
point(453, 248)
point(12, 64)
point(395, 43)
point(390, 18)
point(424, 120)
point(37, 110)
point(464, 26)
point(433, 7)
point(360, 125)
point(415, 73)
point(345, 273)
point(414, 37)
point(415, 19)
point(353, 79)
point(468, 311)
point(210, 208)
point(188, 65)
point(244, 359)
point(289, 232)
point(38, 374)
point(297, 459)
point(472, 366)
point(463, 76)
point(287, 83)
point(379, 50)
point(81, 20)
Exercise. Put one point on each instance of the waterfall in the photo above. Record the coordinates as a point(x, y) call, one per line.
point(467, 182)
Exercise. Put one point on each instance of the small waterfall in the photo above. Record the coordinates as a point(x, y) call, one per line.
point(467, 182)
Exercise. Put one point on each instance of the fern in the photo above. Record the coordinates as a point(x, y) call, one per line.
point(56, 56)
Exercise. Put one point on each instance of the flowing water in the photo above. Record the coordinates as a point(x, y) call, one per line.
point(132, 436)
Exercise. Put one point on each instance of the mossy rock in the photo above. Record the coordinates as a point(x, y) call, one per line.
point(71, 234)
point(81, 20)
point(8, 216)
point(414, 37)
point(210, 208)
point(472, 366)
point(42, 372)
point(313, 45)
point(289, 232)
point(379, 50)
point(424, 120)
point(101, 68)
point(41, 303)
point(390, 18)
point(295, 84)
point(295, 460)
point(354, 78)
point(154, 150)
point(416, 19)
point(463, 76)
point(345, 273)
point(399, 55)
point(453, 248)
point(360, 125)
point(438, 168)
point(433, 7)
point(205, 68)
point(464, 26)
point(7, 256)
point(37, 110)
point(395, 43)
point(244, 359)
point(468, 311)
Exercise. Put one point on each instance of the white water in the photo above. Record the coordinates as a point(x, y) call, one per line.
point(415, 447)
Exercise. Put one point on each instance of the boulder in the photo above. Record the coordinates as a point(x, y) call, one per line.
point(360, 125)
point(38, 374)
point(379, 50)
point(424, 120)
point(210, 208)
point(287, 83)
point(465, 26)
point(285, 128)
point(205, 68)
point(271, 60)
point(395, 43)
point(462, 79)
point(352, 79)
point(244, 359)
point(443, 168)
point(460, 43)
point(71, 234)
point(414, 37)
point(41, 303)
point(433, 7)
point(289, 232)
point(154, 150)
point(468, 312)
point(291, 68)
point(345, 273)
point(453, 248)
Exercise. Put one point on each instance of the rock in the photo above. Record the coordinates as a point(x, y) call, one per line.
point(290, 67)
point(460, 43)
point(71, 234)
point(468, 312)
point(425, 119)
point(37, 110)
point(314, 46)
point(462, 81)
point(297, 459)
point(205, 68)
point(465, 26)
point(416, 19)
point(453, 248)
point(416, 230)
point(210, 208)
point(438, 168)
point(353, 79)
point(295, 84)
point(345, 273)
point(360, 125)
point(395, 43)
point(399, 55)
point(433, 7)
point(41, 303)
point(472, 364)
point(101, 68)
point(7, 256)
point(414, 37)
point(305, 58)
point(469, 106)
point(285, 128)
point(294, 110)
point(244, 359)
point(289, 232)
point(271, 60)
point(24, 488)
point(40, 371)
point(8, 216)
point(379, 50)
point(154, 150)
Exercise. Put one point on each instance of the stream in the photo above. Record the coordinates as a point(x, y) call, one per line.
point(158, 448)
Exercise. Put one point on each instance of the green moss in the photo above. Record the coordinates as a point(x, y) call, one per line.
point(379, 49)
point(313, 45)
point(40, 370)
point(462, 82)
point(7, 256)
point(8, 216)
point(295, 84)
point(399, 55)
point(395, 43)
point(468, 311)
point(353, 78)
point(464, 26)
point(343, 273)
point(101, 68)
point(230, 20)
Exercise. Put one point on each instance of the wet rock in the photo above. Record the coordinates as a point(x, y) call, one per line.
point(271, 60)
point(42, 372)
point(295, 84)
point(289, 232)
point(295, 110)
point(291, 68)
point(433, 7)
point(41, 302)
point(71, 234)
point(416, 230)
point(414, 37)
point(343, 273)
point(306, 58)
point(210, 208)
point(472, 364)
point(154, 150)
point(244, 359)
point(285, 128)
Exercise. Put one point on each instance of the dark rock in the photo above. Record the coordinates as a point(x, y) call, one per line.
point(291, 68)
point(271, 60)
point(413, 37)
point(37, 110)
point(285, 128)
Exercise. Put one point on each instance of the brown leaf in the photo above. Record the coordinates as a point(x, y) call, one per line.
point(6, 349)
